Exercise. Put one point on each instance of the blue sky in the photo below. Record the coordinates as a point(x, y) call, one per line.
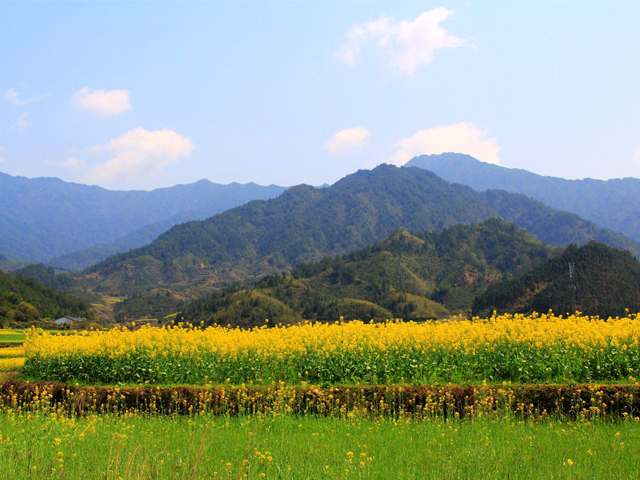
point(144, 95)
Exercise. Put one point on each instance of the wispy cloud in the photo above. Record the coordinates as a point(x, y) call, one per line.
point(459, 138)
point(140, 153)
point(22, 123)
point(636, 157)
point(11, 96)
point(73, 163)
point(102, 102)
point(409, 44)
point(347, 139)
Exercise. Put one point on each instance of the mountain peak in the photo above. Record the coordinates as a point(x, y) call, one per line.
point(401, 240)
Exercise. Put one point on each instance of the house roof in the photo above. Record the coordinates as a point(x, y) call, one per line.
point(73, 319)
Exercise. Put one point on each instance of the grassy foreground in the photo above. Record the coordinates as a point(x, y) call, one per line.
point(290, 447)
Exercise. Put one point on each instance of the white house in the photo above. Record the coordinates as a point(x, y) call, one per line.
point(67, 320)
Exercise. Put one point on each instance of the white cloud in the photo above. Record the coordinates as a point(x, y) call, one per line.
point(458, 138)
point(72, 162)
point(140, 153)
point(102, 102)
point(636, 157)
point(22, 123)
point(346, 139)
point(11, 96)
point(410, 44)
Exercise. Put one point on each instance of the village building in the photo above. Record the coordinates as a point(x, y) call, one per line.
point(67, 320)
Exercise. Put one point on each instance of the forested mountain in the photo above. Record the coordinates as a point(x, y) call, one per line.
point(307, 224)
point(47, 276)
point(45, 218)
point(594, 279)
point(614, 204)
point(411, 276)
point(553, 226)
point(24, 301)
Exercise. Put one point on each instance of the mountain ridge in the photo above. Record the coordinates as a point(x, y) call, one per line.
point(613, 203)
point(47, 218)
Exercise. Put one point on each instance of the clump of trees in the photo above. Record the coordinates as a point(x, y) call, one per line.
point(24, 301)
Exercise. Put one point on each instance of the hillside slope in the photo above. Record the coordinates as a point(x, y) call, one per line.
point(78, 261)
point(614, 204)
point(594, 279)
point(410, 276)
point(24, 301)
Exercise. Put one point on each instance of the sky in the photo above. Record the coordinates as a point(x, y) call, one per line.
point(144, 95)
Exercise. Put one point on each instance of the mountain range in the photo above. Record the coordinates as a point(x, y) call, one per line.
point(323, 250)
point(614, 204)
point(307, 224)
point(62, 223)
point(72, 226)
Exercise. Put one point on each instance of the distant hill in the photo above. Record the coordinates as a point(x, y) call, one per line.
point(24, 301)
point(553, 226)
point(411, 276)
point(7, 265)
point(46, 218)
point(78, 261)
point(594, 279)
point(614, 204)
point(306, 224)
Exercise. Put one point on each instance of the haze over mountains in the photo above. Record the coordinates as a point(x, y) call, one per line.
point(614, 204)
point(45, 218)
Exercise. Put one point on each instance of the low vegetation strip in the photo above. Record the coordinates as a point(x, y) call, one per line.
point(140, 447)
point(533, 349)
point(525, 401)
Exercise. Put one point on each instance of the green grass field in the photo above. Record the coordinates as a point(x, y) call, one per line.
point(16, 337)
point(11, 337)
point(290, 447)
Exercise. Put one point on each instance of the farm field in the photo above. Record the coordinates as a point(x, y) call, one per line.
point(535, 349)
point(12, 337)
point(11, 359)
point(506, 397)
point(16, 337)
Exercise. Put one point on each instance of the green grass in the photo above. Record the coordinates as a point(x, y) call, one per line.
point(16, 337)
point(289, 447)
point(11, 337)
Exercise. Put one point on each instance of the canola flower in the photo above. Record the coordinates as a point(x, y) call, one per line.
point(536, 348)
point(11, 363)
point(11, 352)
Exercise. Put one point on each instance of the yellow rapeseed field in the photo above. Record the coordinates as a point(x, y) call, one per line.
point(536, 348)
point(11, 364)
point(11, 352)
